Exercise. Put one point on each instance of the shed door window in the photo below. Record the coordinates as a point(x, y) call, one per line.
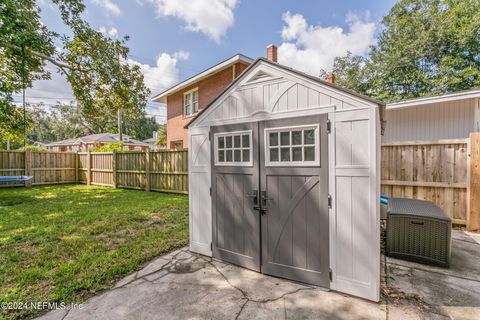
point(233, 148)
point(292, 146)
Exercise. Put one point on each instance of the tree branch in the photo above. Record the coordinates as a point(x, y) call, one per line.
point(60, 65)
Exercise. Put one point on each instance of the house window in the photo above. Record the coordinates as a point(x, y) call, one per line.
point(190, 102)
point(233, 149)
point(177, 144)
point(292, 146)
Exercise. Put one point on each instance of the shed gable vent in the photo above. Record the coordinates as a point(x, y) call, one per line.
point(260, 75)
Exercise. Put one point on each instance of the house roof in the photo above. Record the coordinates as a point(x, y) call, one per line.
point(162, 97)
point(459, 95)
point(150, 140)
point(98, 137)
point(300, 73)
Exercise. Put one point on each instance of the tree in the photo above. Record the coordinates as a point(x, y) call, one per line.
point(349, 72)
point(142, 127)
point(162, 135)
point(95, 65)
point(63, 121)
point(426, 47)
point(19, 26)
point(66, 121)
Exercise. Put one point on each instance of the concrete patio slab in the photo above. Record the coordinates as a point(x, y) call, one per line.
point(183, 285)
point(452, 292)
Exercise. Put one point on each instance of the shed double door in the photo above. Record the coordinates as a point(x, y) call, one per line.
point(270, 197)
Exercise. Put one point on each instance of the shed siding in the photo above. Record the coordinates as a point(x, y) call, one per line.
point(199, 199)
point(446, 120)
point(354, 234)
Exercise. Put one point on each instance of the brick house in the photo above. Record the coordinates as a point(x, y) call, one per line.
point(92, 141)
point(187, 98)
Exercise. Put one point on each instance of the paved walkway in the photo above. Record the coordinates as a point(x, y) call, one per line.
point(182, 285)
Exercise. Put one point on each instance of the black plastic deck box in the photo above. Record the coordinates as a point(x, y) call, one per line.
point(418, 231)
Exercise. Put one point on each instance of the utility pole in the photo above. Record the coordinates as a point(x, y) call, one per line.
point(120, 119)
point(23, 93)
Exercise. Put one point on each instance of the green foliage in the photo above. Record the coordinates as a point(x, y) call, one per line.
point(33, 148)
point(11, 122)
point(349, 72)
point(96, 66)
point(68, 121)
point(141, 127)
point(65, 243)
point(109, 147)
point(63, 122)
point(19, 26)
point(162, 135)
point(426, 47)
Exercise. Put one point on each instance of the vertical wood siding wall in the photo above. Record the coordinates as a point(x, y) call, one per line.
point(435, 171)
point(446, 120)
point(165, 171)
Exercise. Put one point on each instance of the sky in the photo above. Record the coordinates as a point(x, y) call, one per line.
point(172, 40)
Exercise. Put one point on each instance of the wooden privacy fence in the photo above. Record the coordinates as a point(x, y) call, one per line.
point(438, 171)
point(45, 167)
point(165, 171)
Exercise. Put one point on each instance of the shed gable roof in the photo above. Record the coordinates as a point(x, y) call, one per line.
point(239, 100)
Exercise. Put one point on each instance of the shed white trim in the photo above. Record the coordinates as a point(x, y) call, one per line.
point(469, 94)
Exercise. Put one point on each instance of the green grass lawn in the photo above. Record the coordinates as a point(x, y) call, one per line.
point(65, 243)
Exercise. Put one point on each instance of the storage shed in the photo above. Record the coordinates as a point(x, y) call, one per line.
point(284, 179)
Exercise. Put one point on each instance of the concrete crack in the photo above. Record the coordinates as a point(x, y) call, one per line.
point(161, 268)
point(245, 295)
point(66, 314)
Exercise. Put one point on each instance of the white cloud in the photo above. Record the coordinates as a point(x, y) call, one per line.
point(109, 5)
point(211, 17)
point(165, 73)
point(112, 32)
point(311, 48)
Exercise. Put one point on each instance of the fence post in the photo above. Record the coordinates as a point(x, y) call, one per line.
point(77, 160)
point(28, 167)
point(114, 168)
point(89, 168)
point(473, 215)
point(147, 170)
point(28, 162)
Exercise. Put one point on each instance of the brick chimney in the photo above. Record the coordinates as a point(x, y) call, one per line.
point(272, 53)
point(331, 78)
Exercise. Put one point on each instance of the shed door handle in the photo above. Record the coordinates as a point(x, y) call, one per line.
point(417, 223)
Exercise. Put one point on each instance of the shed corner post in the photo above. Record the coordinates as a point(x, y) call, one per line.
point(473, 214)
point(114, 169)
point(147, 170)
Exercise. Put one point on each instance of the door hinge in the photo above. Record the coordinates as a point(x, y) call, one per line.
point(330, 275)
point(329, 201)
point(210, 191)
point(209, 135)
point(211, 246)
point(329, 126)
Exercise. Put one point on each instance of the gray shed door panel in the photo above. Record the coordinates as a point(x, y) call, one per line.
point(295, 226)
point(236, 225)
point(289, 237)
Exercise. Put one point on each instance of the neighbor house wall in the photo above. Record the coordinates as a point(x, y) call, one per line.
point(208, 89)
point(436, 121)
